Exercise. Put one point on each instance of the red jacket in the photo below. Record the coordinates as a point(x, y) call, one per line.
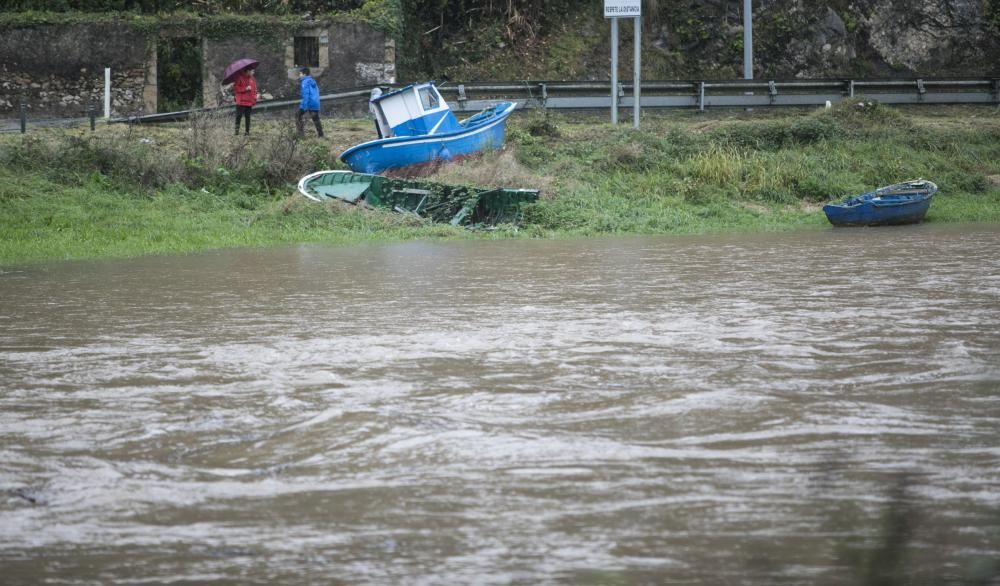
point(245, 89)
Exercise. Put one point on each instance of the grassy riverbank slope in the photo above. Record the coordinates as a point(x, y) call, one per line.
point(163, 189)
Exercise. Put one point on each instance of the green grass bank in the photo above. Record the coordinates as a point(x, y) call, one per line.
point(125, 191)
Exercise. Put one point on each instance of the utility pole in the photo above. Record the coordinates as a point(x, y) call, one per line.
point(747, 40)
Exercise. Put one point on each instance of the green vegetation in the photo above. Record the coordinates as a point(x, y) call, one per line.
point(213, 20)
point(178, 74)
point(167, 6)
point(468, 40)
point(993, 12)
point(125, 191)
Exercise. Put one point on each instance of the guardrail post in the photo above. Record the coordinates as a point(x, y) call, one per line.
point(461, 95)
point(545, 97)
point(24, 114)
point(850, 88)
point(921, 90)
point(772, 90)
point(92, 114)
point(701, 96)
point(996, 90)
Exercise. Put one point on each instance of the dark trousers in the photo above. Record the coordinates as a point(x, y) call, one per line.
point(242, 111)
point(315, 118)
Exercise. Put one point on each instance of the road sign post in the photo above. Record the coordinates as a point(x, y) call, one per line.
point(615, 9)
point(614, 71)
point(636, 75)
point(747, 40)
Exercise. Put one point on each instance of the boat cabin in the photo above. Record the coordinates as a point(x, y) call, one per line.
point(414, 110)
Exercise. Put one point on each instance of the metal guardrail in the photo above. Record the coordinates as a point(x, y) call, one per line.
point(596, 95)
point(469, 97)
point(358, 96)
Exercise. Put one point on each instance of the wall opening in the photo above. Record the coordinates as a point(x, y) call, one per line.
point(178, 74)
point(307, 51)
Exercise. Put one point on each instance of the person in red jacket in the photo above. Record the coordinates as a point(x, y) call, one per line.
point(245, 94)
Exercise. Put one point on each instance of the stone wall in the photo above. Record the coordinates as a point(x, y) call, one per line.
point(351, 56)
point(59, 69)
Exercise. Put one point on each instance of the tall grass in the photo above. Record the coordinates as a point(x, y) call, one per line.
point(683, 172)
point(148, 190)
point(200, 153)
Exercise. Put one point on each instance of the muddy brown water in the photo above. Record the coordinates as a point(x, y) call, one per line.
point(819, 407)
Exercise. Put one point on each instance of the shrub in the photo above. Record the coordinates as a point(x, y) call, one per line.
point(811, 130)
point(492, 169)
point(776, 135)
point(720, 165)
point(543, 126)
point(628, 156)
point(862, 113)
point(73, 156)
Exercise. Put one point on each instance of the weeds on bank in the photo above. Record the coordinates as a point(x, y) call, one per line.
point(202, 153)
point(125, 191)
point(140, 190)
point(728, 172)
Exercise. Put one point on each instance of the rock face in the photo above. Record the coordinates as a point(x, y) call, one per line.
point(837, 38)
point(916, 37)
point(932, 34)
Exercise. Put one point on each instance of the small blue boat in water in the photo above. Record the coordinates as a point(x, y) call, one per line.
point(900, 203)
point(417, 127)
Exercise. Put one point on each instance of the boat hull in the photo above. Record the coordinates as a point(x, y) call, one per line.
point(458, 205)
point(894, 205)
point(386, 154)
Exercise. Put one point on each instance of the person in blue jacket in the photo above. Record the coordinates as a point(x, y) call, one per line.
point(309, 103)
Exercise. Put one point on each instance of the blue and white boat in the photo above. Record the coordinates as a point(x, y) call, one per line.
point(417, 127)
point(900, 203)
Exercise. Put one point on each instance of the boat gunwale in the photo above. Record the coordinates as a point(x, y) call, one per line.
point(304, 180)
point(416, 139)
point(883, 197)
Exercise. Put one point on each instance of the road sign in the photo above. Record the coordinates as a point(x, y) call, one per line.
point(615, 9)
point(622, 8)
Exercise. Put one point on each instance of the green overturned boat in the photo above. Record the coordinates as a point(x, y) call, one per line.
point(458, 205)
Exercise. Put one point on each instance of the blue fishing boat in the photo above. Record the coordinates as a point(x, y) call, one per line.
point(900, 203)
point(417, 127)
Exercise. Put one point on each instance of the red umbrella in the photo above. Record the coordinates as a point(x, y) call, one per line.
point(229, 75)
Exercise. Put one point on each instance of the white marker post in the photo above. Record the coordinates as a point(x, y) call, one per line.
point(107, 93)
point(614, 9)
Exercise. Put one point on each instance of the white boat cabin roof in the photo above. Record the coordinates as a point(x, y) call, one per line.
point(414, 110)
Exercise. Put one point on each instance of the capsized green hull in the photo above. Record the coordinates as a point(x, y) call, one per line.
point(458, 205)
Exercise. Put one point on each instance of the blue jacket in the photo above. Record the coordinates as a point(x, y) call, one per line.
point(310, 94)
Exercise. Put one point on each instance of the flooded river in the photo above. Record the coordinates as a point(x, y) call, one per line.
point(811, 408)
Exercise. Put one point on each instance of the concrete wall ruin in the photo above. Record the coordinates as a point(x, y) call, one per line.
point(59, 69)
point(350, 56)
